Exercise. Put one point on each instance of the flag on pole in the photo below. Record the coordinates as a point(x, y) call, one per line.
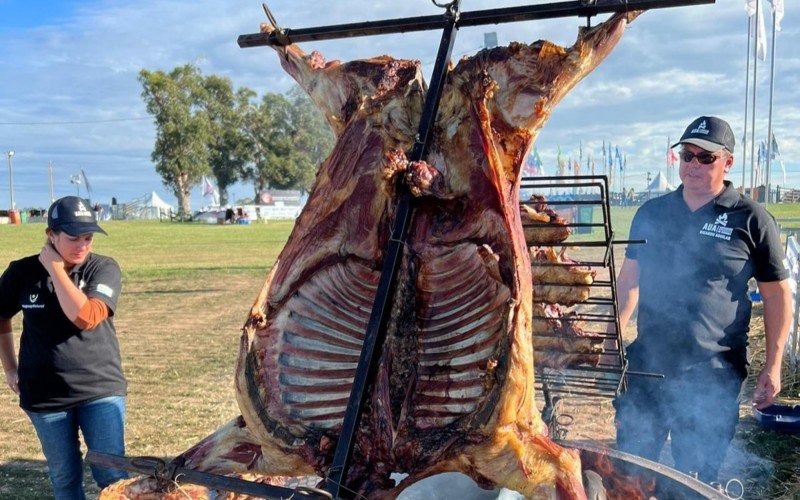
point(775, 151)
point(777, 8)
point(751, 6)
point(610, 158)
point(776, 154)
point(604, 157)
point(209, 189)
point(576, 167)
point(86, 183)
point(671, 156)
point(618, 158)
point(534, 166)
point(562, 166)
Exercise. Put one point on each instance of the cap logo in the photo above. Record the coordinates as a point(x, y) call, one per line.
point(82, 211)
point(701, 129)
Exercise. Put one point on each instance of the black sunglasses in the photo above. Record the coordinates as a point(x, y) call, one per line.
point(704, 158)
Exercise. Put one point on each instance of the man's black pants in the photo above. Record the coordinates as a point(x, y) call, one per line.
point(699, 408)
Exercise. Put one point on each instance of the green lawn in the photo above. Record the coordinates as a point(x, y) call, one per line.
point(187, 289)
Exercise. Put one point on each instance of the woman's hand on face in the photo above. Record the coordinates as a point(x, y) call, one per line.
point(50, 258)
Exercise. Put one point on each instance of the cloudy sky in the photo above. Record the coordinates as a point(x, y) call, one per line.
point(69, 92)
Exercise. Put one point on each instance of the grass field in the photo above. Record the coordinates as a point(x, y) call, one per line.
point(187, 289)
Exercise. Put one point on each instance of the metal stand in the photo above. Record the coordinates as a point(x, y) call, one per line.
point(608, 378)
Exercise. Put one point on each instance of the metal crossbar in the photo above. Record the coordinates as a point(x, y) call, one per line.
point(575, 8)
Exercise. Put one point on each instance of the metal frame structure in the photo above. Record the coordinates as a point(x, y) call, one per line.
point(607, 379)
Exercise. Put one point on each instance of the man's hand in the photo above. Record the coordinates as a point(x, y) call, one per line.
point(12, 379)
point(768, 386)
point(50, 258)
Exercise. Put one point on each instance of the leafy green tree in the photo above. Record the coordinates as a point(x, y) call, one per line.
point(290, 138)
point(312, 139)
point(230, 149)
point(181, 153)
point(267, 124)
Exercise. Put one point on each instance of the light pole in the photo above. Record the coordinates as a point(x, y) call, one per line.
point(76, 179)
point(11, 178)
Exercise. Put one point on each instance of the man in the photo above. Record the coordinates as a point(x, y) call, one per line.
point(704, 243)
point(69, 375)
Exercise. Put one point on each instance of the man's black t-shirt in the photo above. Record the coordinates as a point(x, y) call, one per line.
point(694, 269)
point(60, 365)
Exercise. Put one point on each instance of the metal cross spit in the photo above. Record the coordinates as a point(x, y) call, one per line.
point(450, 21)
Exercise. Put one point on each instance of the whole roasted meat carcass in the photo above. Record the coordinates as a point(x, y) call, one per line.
point(454, 391)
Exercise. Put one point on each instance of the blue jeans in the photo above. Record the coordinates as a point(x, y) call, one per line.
point(102, 423)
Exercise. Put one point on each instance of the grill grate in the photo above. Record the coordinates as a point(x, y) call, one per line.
point(591, 243)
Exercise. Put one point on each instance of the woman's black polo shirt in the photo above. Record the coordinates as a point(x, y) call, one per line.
point(60, 365)
point(694, 306)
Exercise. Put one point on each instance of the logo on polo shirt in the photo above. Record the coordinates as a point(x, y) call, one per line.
point(718, 228)
point(701, 129)
point(32, 298)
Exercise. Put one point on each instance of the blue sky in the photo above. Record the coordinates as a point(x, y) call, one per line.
point(69, 92)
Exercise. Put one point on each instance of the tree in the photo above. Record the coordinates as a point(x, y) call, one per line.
point(290, 139)
point(312, 138)
point(182, 128)
point(229, 148)
point(267, 125)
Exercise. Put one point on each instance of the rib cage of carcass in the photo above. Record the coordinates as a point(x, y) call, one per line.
point(455, 387)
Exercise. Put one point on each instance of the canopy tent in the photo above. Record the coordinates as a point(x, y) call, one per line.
point(149, 206)
point(659, 185)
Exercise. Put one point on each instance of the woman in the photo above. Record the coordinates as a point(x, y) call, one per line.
point(69, 375)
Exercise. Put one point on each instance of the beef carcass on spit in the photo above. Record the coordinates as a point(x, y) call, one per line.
point(454, 391)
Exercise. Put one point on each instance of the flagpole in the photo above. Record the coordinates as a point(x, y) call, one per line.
point(769, 122)
point(50, 174)
point(753, 118)
point(746, 105)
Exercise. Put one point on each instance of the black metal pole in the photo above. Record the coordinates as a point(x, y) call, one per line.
point(376, 328)
point(575, 8)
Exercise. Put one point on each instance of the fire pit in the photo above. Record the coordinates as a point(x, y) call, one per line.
point(631, 477)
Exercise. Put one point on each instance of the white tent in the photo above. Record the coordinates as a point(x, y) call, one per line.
point(149, 206)
point(660, 185)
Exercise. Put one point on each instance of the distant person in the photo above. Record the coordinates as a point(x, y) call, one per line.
point(704, 242)
point(98, 210)
point(631, 197)
point(229, 215)
point(69, 374)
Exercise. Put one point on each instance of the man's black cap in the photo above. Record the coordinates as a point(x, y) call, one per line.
point(710, 133)
point(73, 216)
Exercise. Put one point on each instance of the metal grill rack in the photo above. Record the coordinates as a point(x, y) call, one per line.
point(592, 244)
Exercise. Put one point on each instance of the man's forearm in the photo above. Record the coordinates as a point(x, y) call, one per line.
point(8, 356)
point(627, 290)
point(777, 299)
